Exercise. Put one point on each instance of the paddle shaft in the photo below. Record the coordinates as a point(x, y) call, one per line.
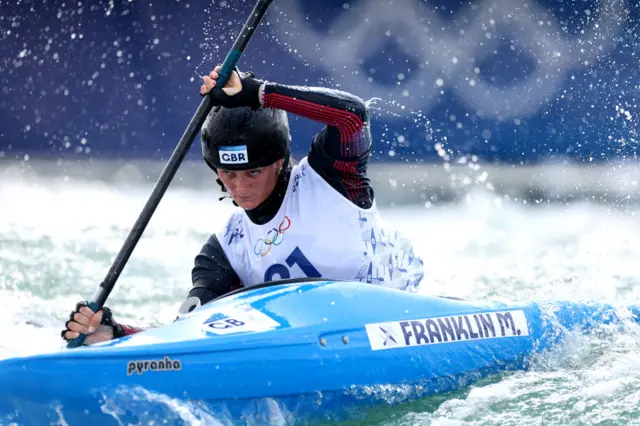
point(103, 291)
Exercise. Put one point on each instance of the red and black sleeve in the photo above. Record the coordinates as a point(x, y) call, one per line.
point(340, 152)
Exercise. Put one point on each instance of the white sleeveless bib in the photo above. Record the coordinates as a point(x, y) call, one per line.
point(319, 233)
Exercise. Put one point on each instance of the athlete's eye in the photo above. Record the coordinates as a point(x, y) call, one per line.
point(256, 172)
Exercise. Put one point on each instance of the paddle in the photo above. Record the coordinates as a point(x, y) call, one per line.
point(103, 291)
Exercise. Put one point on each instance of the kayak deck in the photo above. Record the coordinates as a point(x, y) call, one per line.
point(296, 347)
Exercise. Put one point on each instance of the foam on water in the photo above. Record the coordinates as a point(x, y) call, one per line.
point(57, 241)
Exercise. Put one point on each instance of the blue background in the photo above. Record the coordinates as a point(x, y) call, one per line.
point(105, 79)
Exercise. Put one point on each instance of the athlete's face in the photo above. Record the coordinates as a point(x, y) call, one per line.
point(249, 188)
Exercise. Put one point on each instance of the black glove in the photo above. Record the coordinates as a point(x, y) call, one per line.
point(247, 97)
point(107, 319)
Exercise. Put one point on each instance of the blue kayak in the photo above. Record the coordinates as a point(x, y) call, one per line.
point(301, 348)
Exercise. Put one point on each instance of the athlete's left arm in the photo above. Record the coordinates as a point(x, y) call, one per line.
point(340, 152)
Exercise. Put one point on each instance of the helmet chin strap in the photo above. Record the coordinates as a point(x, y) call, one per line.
point(285, 163)
point(228, 196)
point(219, 182)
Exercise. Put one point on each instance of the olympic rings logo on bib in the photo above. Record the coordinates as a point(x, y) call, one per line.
point(274, 237)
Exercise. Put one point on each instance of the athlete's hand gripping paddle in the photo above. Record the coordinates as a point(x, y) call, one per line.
point(103, 291)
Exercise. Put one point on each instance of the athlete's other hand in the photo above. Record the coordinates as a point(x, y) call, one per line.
point(241, 90)
point(84, 321)
point(232, 87)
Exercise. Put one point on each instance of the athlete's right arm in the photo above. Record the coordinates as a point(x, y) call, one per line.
point(97, 326)
point(212, 276)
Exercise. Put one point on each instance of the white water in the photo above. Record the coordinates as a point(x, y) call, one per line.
point(57, 241)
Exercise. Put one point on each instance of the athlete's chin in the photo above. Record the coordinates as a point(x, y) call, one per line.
point(247, 203)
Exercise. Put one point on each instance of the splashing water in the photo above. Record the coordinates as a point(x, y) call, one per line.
point(57, 239)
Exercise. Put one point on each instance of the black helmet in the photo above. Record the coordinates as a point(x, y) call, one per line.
point(244, 138)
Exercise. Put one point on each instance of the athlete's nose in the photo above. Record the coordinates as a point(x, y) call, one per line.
point(242, 185)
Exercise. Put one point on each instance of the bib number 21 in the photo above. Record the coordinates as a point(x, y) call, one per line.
point(295, 258)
